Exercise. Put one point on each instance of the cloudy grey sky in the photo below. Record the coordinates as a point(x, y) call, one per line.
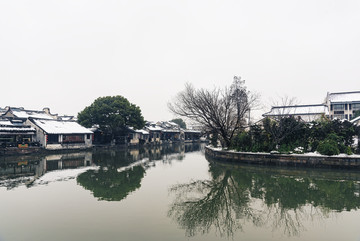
point(64, 54)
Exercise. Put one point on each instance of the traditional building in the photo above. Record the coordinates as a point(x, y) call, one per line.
point(306, 113)
point(55, 134)
point(19, 113)
point(13, 133)
point(192, 135)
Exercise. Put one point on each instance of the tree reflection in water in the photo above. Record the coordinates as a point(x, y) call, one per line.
point(121, 171)
point(281, 199)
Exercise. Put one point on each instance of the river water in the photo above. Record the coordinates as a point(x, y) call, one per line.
point(172, 193)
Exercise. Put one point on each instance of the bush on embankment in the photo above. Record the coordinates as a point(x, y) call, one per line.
point(289, 135)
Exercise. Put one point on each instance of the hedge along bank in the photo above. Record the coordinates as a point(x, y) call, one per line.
point(309, 159)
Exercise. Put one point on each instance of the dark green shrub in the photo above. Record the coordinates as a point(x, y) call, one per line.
point(242, 142)
point(328, 147)
point(348, 150)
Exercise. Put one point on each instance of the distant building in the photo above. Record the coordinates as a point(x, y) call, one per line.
point(343, 105)
point(306, 113)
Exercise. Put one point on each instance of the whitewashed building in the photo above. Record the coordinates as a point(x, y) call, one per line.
point(56, 134)
point(307, 113)
point(343, 105)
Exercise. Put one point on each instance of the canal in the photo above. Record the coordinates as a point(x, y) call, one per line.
point(172, 193)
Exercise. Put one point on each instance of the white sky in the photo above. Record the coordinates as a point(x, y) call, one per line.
point(64, 54)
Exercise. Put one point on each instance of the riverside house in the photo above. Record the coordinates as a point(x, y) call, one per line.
point(15, 133)
point(57, 134)
point(50, 131)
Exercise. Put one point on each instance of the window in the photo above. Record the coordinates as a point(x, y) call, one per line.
point(88, 136)
point(339, 107)
point(73, 139)
point(356, 106)
point(339, 117)
point(52, 139)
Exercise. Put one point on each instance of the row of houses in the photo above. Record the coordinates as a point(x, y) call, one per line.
point(341, 105)
point(22, 128)
point(162, 132)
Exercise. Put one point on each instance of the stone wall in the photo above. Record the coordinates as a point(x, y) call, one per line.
point(283, 159)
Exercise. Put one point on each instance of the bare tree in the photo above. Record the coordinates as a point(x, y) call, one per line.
point(222, 112)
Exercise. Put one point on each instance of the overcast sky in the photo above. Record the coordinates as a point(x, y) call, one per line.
point(64, 54)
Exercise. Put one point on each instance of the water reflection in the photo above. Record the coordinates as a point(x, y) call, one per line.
point(280, 199)
point(121, 171)
point(27, 170)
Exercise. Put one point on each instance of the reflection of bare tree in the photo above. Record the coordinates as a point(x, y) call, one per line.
point(239, 195)
point(220, 203)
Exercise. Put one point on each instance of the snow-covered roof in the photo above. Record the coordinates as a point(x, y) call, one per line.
point(298, 110)
point(191, 131)
point(171, 130)
point(61, 127)
point(154, 128)
point(144, 132)
point(66, 117)
point(5, 122)
point(355, 120)
point(2, 111)
point(7, 126)
point(16, 129)
point(25, 114)
point(344, 97)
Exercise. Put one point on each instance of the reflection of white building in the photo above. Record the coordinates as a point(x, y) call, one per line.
point(343, 105)
point(306, 113)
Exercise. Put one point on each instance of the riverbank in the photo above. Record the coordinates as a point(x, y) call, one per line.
point(344, 161)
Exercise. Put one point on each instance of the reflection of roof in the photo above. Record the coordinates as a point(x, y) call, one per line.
point(298, 110)
point(61, 127)
point(344, 97)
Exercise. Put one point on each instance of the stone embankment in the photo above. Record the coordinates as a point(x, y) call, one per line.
point(283, 159)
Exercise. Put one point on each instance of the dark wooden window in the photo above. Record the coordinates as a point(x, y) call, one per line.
point(68, 139)
point(52, 139)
